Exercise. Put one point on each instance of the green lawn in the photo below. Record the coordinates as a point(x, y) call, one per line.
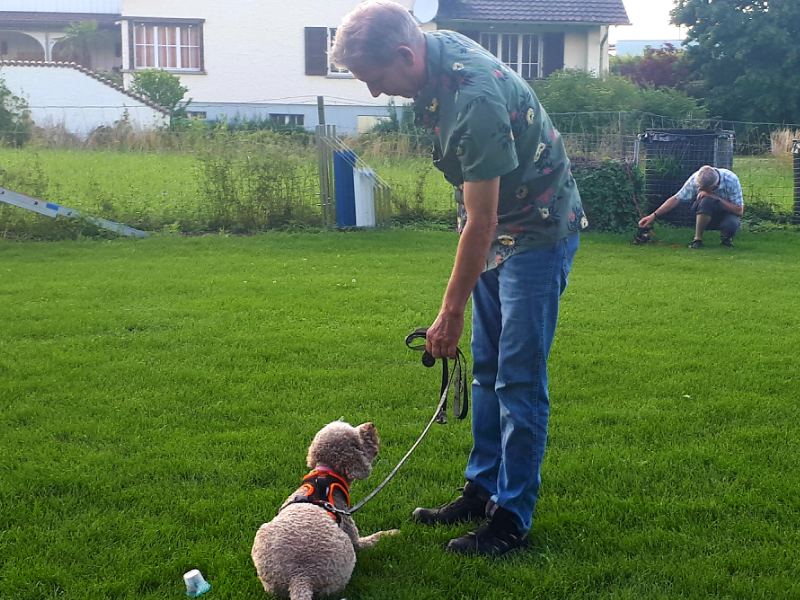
point(767, 179)
point(158, 397)
point(165, 190)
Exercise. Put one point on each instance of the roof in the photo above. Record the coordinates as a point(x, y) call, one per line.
point(22, 20)
point(605, 12)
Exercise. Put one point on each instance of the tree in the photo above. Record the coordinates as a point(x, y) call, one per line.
point(81, 37)
point(746, 57)
point(163, 88)
point(659, 67)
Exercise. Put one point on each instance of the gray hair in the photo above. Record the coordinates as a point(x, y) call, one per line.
point(707, 178)
point(372, 32)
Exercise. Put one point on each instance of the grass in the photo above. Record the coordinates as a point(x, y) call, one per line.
point(165, 191)
point(767, 179)
point(158, 397)
point(160, 185)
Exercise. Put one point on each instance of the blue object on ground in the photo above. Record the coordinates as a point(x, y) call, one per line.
point(343, 161)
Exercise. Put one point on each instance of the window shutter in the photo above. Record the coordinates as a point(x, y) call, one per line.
point(553, 59)
point(316, 50)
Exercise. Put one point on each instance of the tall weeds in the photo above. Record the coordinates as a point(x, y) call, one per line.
point(781, 141)
point(251, 182)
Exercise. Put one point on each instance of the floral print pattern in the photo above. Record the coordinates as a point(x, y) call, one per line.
point(486, 122)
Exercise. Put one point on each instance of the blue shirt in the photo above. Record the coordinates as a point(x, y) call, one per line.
point(729, 188)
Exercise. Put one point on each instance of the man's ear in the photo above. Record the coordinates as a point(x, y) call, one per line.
point(407, 55)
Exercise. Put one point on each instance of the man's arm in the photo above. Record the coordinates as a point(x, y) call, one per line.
point(481, 199)
point(668, 205)
point(731, 207)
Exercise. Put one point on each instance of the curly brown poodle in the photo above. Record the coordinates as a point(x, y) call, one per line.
point(308, 550)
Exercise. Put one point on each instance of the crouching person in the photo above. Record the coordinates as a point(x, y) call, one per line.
point(718, 204)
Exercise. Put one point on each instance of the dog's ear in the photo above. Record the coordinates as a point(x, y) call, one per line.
point(311, 458)
point(369, 440)
point(358, 468)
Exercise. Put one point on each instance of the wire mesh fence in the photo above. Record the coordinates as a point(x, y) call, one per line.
point(351, 193)
point(796, 153)
point(203, 178)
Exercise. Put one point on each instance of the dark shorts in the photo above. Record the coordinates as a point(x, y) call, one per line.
point(725, 222)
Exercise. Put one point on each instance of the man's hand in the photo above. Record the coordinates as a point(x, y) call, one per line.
point(668, 205)
point(647, 221)
point(443, 336)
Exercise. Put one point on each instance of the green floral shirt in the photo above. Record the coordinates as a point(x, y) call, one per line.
point(486, 122)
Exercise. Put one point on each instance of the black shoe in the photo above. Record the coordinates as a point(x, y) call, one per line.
point(727, 242)
point(696, 245)
point(497, 535)
point(471, 505)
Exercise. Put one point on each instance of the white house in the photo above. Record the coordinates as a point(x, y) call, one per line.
point(267, 58)
point(32, 30)
point(68, 96)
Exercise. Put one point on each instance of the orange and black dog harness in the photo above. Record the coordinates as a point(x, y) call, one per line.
point(319, 486)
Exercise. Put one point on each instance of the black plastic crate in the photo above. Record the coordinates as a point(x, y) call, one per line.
point(672, 155)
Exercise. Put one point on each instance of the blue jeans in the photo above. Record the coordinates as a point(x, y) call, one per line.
point(514, 314)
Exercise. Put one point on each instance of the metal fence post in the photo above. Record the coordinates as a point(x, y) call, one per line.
point(327, 203)
point(796, 152)
point(323, 192)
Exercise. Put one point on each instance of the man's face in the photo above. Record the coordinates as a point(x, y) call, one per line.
point(396, 79)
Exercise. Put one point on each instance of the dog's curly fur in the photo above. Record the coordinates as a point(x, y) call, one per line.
point(302, 552)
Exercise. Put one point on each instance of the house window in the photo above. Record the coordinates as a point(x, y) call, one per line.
point(284, 119)
point(530, 65)
point(171, 47)
point(332, 68)
point(520, 52)
point(319, 41)
point(489, 41)
point(367, 123)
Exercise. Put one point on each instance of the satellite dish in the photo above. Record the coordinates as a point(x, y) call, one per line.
point(425, 10)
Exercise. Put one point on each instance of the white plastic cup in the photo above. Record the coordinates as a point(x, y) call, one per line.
point(195, 583)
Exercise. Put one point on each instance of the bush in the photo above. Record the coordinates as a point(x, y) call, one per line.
point(607, 191)
point(575, 91)
point(255, 182)
point(15, 121)
point(163, 88)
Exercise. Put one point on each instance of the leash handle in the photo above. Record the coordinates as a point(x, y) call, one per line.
point(457, 380)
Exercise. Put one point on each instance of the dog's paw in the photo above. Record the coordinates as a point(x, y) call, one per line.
point(370, 540)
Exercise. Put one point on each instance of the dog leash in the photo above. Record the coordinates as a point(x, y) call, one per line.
point(457, 379)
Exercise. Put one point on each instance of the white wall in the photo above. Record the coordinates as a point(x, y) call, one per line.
point(60, 96)
point(594, 52)
point(582, 50)
point(254, 50)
